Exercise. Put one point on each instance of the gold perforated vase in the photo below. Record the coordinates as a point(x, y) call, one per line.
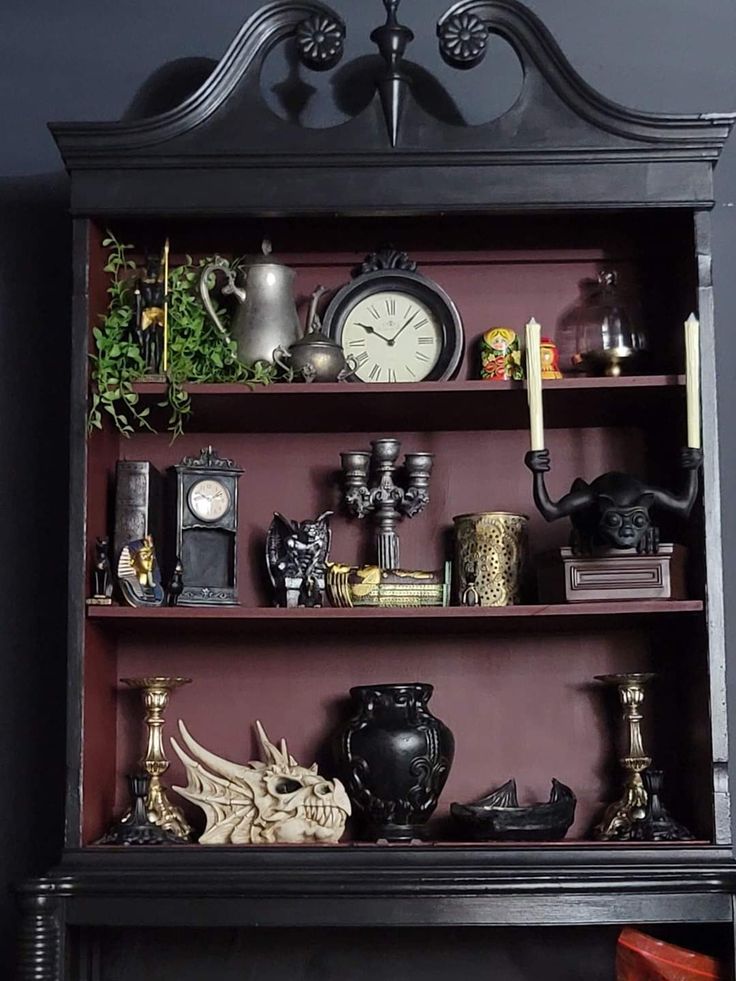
point(490, 558)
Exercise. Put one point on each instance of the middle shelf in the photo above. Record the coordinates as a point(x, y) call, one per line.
point(421, 406)
point(453, 619)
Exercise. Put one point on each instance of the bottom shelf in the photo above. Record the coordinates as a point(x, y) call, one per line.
point(398, 886)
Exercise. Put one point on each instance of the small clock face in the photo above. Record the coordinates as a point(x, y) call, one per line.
point(393, 337)
point(209, 500)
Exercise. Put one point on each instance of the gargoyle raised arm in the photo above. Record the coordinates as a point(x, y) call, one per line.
point(579, 496)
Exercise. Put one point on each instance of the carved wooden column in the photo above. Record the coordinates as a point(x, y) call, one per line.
point(41, 934)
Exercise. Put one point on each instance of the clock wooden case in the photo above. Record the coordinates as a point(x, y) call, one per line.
point(207, 529)
point(506, 225)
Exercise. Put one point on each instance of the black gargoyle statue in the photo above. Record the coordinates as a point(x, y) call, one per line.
point(296, 556)
point(613, 511)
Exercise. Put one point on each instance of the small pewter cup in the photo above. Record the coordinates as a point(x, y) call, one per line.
point(385, 452)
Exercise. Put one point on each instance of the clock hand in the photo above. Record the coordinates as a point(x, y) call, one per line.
point(372, 330)
point(403, 327)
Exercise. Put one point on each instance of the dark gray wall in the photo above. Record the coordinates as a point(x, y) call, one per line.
point(83, 59)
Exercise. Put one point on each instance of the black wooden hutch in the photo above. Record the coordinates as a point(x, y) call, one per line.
point(507, 215)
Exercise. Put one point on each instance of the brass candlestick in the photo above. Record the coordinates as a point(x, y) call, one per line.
point(621, 818)
point(161, 811)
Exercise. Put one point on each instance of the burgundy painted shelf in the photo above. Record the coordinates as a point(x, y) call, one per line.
point(421, 406)
point(453, 618)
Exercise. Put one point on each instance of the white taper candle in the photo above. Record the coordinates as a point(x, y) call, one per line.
point(692, 376)
point(534, 384)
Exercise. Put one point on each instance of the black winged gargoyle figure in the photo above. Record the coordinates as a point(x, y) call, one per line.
point(613, 511)
point(296, 556)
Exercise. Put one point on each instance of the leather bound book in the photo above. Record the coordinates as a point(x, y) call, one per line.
point(138, 506)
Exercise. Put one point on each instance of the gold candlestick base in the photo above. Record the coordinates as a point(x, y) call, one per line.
point(161, 811)
point(621, 818)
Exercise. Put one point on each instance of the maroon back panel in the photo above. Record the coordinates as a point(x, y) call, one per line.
point(523, 707)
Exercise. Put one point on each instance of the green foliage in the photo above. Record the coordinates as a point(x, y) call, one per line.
point(198, 351)
point(117, 362)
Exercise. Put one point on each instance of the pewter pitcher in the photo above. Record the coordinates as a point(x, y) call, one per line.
point(265, 317)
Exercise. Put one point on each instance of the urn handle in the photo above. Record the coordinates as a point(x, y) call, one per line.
point(282, 357)
point(350, 369)
point(222, 265)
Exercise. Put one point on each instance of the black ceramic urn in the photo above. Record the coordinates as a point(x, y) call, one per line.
point(394, 757)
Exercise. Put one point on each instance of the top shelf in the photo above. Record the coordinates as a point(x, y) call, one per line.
point(420, 406)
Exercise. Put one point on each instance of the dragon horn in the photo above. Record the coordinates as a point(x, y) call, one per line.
point(184, 757)
point(270, 753)
point(223, 768)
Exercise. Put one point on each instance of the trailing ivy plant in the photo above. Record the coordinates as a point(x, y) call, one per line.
point(117, 362)
point(197, 350)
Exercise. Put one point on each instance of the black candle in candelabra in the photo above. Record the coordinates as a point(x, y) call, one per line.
point(382, 497)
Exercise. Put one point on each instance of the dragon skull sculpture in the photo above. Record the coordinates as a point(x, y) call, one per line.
point(277, 801)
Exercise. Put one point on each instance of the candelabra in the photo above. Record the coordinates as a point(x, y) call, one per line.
point(387, 501)
point(622, 818)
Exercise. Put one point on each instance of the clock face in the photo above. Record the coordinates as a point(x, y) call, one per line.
point(392, 337)
point(395, 325)
point(209, 500)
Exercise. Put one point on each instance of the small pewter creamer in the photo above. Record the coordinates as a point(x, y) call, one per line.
point(266, 316)
point(315, 357)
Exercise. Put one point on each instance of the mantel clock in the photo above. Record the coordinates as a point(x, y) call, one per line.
point(207, 529)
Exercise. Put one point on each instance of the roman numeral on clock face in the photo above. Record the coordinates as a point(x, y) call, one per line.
point(391, 306)
point(425, 340)
point(375, 313)
point(360, 359)
point(375, 372)
point(358, 342)
point(421, 356)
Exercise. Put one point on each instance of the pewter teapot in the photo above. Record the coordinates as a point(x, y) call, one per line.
point(266, 316)
point(315, 357)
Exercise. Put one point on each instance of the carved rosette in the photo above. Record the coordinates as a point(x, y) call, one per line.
point(463, 40)
point(321, 41)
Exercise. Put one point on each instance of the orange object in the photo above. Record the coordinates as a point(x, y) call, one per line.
point(640, 957)
point(550, 358)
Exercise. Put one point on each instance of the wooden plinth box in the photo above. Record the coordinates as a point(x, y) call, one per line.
point(613, 575)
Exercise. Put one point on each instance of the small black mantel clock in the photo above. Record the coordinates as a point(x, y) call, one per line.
point(207, 529)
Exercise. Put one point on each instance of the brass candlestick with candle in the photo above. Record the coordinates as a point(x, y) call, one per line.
point(155, 692)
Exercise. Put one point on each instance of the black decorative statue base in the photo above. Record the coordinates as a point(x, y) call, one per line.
point(658, 825)
point(394, 757)
point(136, 828)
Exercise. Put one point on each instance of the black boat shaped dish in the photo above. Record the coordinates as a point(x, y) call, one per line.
point(498, 817)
